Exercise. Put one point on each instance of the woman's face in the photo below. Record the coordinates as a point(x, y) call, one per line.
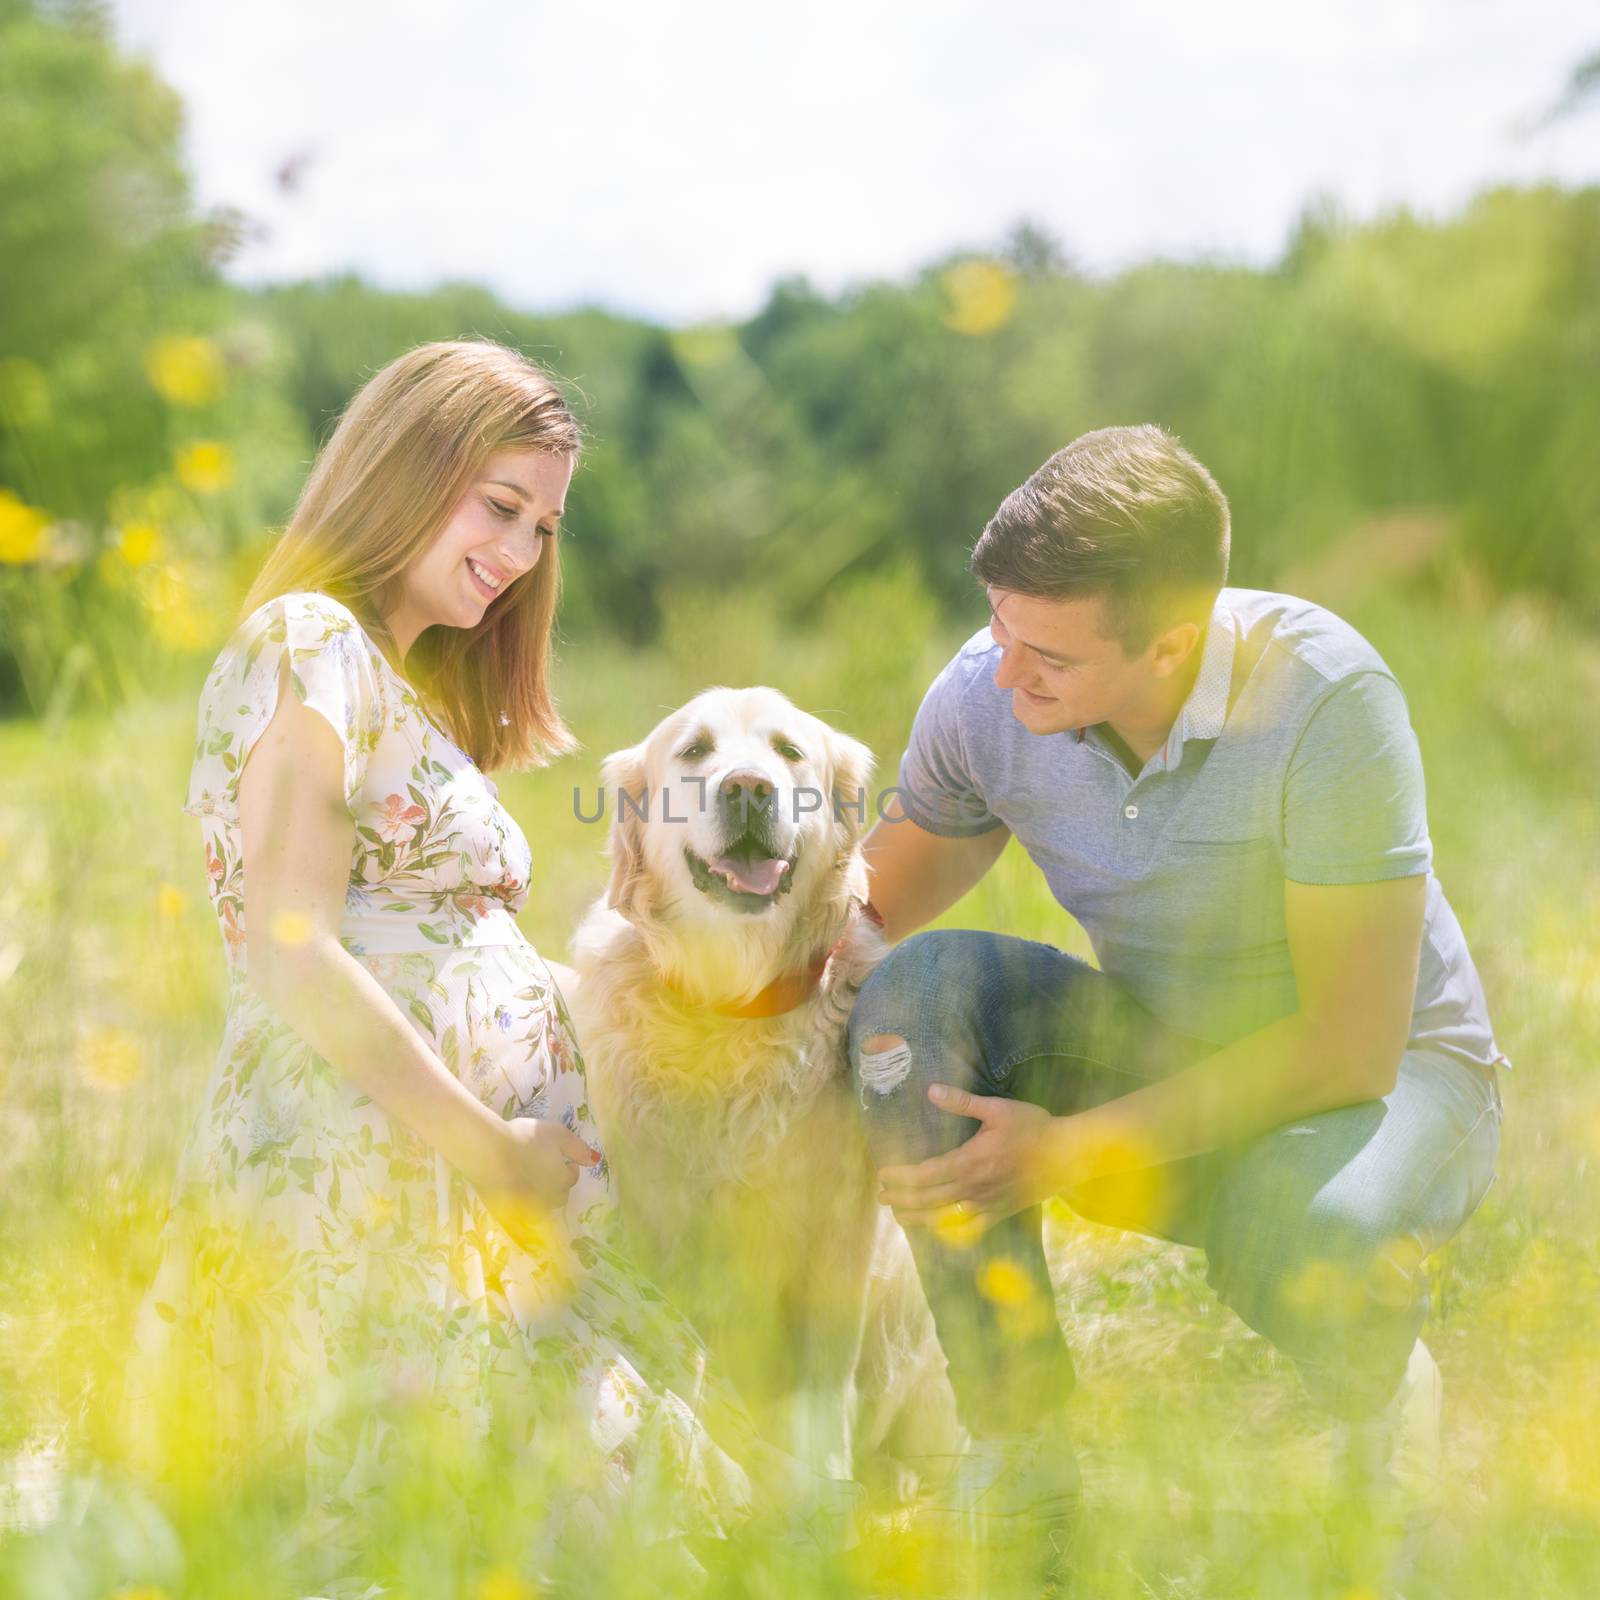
point(496, 532)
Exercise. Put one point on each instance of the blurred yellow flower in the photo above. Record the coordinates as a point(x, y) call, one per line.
point(139, 543)
point(503, 1583)
point(171, 901)
point(169, 595)
point(1133, 1189)
point(186, 370)
point(1325, 1290)
point(982, 296)
point(902, 1561)
point(23, 530)
point(1005, 1283)
point(1023, 1311)
point(291, 927)
point(109, 1058)
point(181, 628)
point(205, 467)
point(957, 1229)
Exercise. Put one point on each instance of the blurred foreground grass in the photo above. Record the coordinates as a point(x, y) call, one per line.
point(1201, 1458)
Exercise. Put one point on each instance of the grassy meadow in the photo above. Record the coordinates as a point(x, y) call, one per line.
point(1201, 1458)
point(1402, 410)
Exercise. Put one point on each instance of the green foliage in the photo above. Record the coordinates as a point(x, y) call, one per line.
point(142, 433)
point(95, 233)
point(1434, 370)
point(1403, 413)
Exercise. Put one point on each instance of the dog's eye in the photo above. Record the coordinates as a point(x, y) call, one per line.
point(788, 751)
point(695, 751)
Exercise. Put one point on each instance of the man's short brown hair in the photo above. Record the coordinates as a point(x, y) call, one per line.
point(1126, 513)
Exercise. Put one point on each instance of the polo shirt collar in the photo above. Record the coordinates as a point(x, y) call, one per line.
point(1206, 708)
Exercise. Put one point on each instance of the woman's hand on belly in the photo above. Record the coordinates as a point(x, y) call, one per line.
point(523, 1175)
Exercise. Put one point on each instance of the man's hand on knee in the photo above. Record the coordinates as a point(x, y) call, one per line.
point(1005, 1166)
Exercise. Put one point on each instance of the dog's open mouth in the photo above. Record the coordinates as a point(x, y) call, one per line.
point(746, 876)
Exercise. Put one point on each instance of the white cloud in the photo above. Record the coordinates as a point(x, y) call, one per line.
point(675, 160)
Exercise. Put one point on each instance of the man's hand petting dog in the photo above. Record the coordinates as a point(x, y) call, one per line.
point(1012, 1162)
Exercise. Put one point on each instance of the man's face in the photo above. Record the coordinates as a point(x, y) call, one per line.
point(1062, 670)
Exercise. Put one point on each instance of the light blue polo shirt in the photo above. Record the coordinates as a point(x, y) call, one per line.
point(1293, 758)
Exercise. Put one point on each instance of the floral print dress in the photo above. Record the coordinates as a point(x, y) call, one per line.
point(325, 1277)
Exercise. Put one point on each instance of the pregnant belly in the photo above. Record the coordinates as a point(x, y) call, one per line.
point(494, 1015)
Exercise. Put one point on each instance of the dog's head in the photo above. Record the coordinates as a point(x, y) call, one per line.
point(736, 807)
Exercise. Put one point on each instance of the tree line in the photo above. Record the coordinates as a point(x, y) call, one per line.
point(156, 420)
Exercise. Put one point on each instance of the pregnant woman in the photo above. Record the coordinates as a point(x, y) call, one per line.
point(387, 1262)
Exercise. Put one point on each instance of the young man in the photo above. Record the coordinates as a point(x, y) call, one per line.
point(1284, 1058)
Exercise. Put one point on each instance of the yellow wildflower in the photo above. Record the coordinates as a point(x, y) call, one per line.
point(186, 370)
point(139, 543)
point(982, 296)
point(503, 1583)
point(170, 593)
point(1325, 1290)
point(205, 467)
point(109, 1058)
point(957, 1229)
point(22, 530)
point(1005, 1283)
point(291, 927)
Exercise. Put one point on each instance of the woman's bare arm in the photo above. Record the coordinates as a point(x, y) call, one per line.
point(297, 839)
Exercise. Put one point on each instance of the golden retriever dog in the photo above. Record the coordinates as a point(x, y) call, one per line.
point(716, 976)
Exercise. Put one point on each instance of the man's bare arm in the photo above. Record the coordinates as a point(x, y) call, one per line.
point(1355, 950)
point(915, 875)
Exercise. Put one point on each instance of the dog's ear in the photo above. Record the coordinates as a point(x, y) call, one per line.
point(852, 764)
point(622, 778)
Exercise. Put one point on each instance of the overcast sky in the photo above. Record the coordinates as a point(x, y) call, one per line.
point(673, 160)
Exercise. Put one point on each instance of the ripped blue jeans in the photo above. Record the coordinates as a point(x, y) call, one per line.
point(1314, 1233)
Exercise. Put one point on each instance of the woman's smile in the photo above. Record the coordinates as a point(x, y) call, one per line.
point(480, 573)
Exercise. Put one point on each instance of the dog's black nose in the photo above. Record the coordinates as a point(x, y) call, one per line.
point(745, 795)
point(751, 783)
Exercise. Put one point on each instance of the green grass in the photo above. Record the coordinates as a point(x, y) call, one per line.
point(1201, 1456)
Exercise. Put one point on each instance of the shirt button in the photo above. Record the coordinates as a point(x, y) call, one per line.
point(1130, 812)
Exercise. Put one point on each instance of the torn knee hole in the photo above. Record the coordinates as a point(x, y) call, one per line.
point(885, 1062)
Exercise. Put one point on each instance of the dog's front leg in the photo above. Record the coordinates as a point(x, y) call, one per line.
point(816, 1421)
point(829, 1321)
point(821, 1408)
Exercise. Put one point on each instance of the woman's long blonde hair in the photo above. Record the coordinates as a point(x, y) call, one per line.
point(407, 447)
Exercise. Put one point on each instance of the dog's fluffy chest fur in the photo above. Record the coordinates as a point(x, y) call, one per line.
point(724, 1099)
point(738, 1155)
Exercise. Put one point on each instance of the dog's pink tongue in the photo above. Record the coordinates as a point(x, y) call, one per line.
point(753, 877)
